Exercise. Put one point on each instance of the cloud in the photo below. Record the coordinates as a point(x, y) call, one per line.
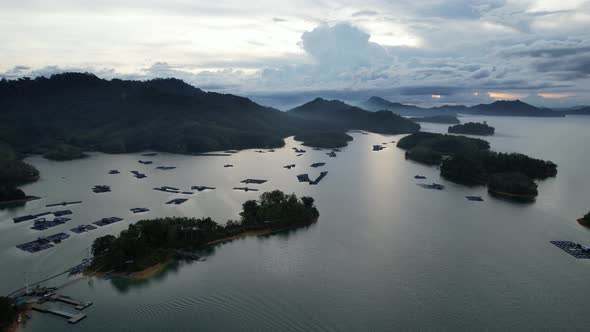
point(507, 95)
point(555, 95)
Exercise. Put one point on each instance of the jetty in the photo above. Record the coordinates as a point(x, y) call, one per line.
point(577, 250)
point(289, 166)
point(245, 189)
point(316, 181)
point(107, 221)
point(316, 165)
point(63, 203)
point(82, 229)
point(177, 201)
point(43, 243)
point(254, 181)
point(201, 188)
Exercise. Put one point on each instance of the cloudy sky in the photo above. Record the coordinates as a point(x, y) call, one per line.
point(280, 53)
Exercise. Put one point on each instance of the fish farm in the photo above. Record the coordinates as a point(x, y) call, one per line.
point(101, 189)
point(434, 186)
point(177, 201)
point(575, 249)
point(254, 181)
point(83, 229)
point(114, 171)
point(245, 189)
point(139, 210)
point(42, 224)
point(315, 165)
point(201, 188)
point(43, 243)
point(107, 221)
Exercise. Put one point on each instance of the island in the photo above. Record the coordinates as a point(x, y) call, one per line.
point(444, 119)
point(326, 140)
point(148, 244)
point(472, 128)
point(585, 220)
point(469, 161)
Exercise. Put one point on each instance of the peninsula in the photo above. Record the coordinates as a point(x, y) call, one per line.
point(585, 220)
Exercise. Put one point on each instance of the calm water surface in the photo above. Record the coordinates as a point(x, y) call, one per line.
point(384, 255)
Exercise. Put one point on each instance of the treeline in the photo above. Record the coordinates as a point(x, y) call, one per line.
point(468, 161)
point(14, 172)
point(472, 128)
point(151, 241)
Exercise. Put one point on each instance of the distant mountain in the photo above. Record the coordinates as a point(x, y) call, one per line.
point(342, 116)
point(582, 110)
point(511, 108)
point(501, 108)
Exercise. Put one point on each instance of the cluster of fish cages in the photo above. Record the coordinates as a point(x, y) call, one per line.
point(575, 249)
point(139, 210)
point(83, 229)
point(176, 201)
point(43, 243)
point(42, 224)
point(107, 221)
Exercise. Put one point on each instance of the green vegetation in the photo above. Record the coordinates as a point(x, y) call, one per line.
point(514, 185)
point(64, 152)
point(472, 128)
point(326, 140)
point(444, 119)
point(14, 172)
point(8, 312)
point(468, 161)
point(149, 242)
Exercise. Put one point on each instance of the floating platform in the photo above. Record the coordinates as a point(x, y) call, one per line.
point(43, 243)
point(474, 198)
point(434, 186)
point(228, 165)
point(331, 154)
point(72, 318)
point(254, 181)
point(101, 189)
point(303, 178)
point(245, 189)
point(166, 168)
point(114, 171)
point(289, 166)
point(149, 154)
point(83, 229)
point(177, 201)
point(201, 188)
point(575, 249)
point(299, 155)
point(378, 147)
point(30, 217)
point(145, 162)
point(42, 224)
point(138, 174)
point(62, 213)
point(419, 177)
point(187, 193)
point(316, 165)
point(299, 150)
point(107, 221)
point(63, 203)
point(139, 210)
point(316, 181)
point(168, 189)
point(79, 305)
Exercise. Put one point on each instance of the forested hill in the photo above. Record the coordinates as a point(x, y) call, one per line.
point(62, 115)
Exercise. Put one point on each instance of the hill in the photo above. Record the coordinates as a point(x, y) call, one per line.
point(380, 104)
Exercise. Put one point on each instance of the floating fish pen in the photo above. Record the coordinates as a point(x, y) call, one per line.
point(289, 166)
point(254, 181)
point(331, 154)
point(42, 224)
point(575, 249)
point(72, 318)
point(434, 186)
point(138, 174)
point(168, 189)
point(228, 165)
point(245, 189)
point(101, 189)
point(260, 151)
point(303, 178)
point(316, 181)
point(62, 213)
point(150, 154)
point(78, 305)
point(187, 193)
point(299, 150)
point(378, 147)
point(299, 155)
point(316, 165)
point(146, 162)
point(420, 177)
point(63, 203)
point(114, 171)
point(201, 188)
point(166, 168)
point(43, 243)
point(474, 198)
point(107, 221)
point(177, 201)
point(29, 217)
point(139, 210)
point(83, 229)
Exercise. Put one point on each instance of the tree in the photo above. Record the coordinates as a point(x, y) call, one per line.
point(307, 201)
point(7, 311)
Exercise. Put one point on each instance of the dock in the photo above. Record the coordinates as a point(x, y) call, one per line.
point(62, 213)
point(114, 171)
point(72, 318)
point(149, 154)
point(575, 249)
point(101, 189)
point(78, 305)
point(378, 147)
point(434, 186)
point(138, 175)
point(166, 189)
point(63, 203)
point(316, 181)
point(331, 154)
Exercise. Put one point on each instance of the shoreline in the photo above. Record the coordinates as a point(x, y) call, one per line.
point(510, 195)
point(584, 222)
point(19, 201)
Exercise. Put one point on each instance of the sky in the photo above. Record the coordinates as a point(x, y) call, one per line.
point(283, 53)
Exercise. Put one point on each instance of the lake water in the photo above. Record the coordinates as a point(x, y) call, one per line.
point(384, 255)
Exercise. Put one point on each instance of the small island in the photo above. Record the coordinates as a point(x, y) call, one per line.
point(585, 220)
point(149, 244)
point(469, 161)
point(472, 128)
point(13, 173)
point(444, 119)
point(326, 140)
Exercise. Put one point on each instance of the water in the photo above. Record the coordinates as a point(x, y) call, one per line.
point(384, 255)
